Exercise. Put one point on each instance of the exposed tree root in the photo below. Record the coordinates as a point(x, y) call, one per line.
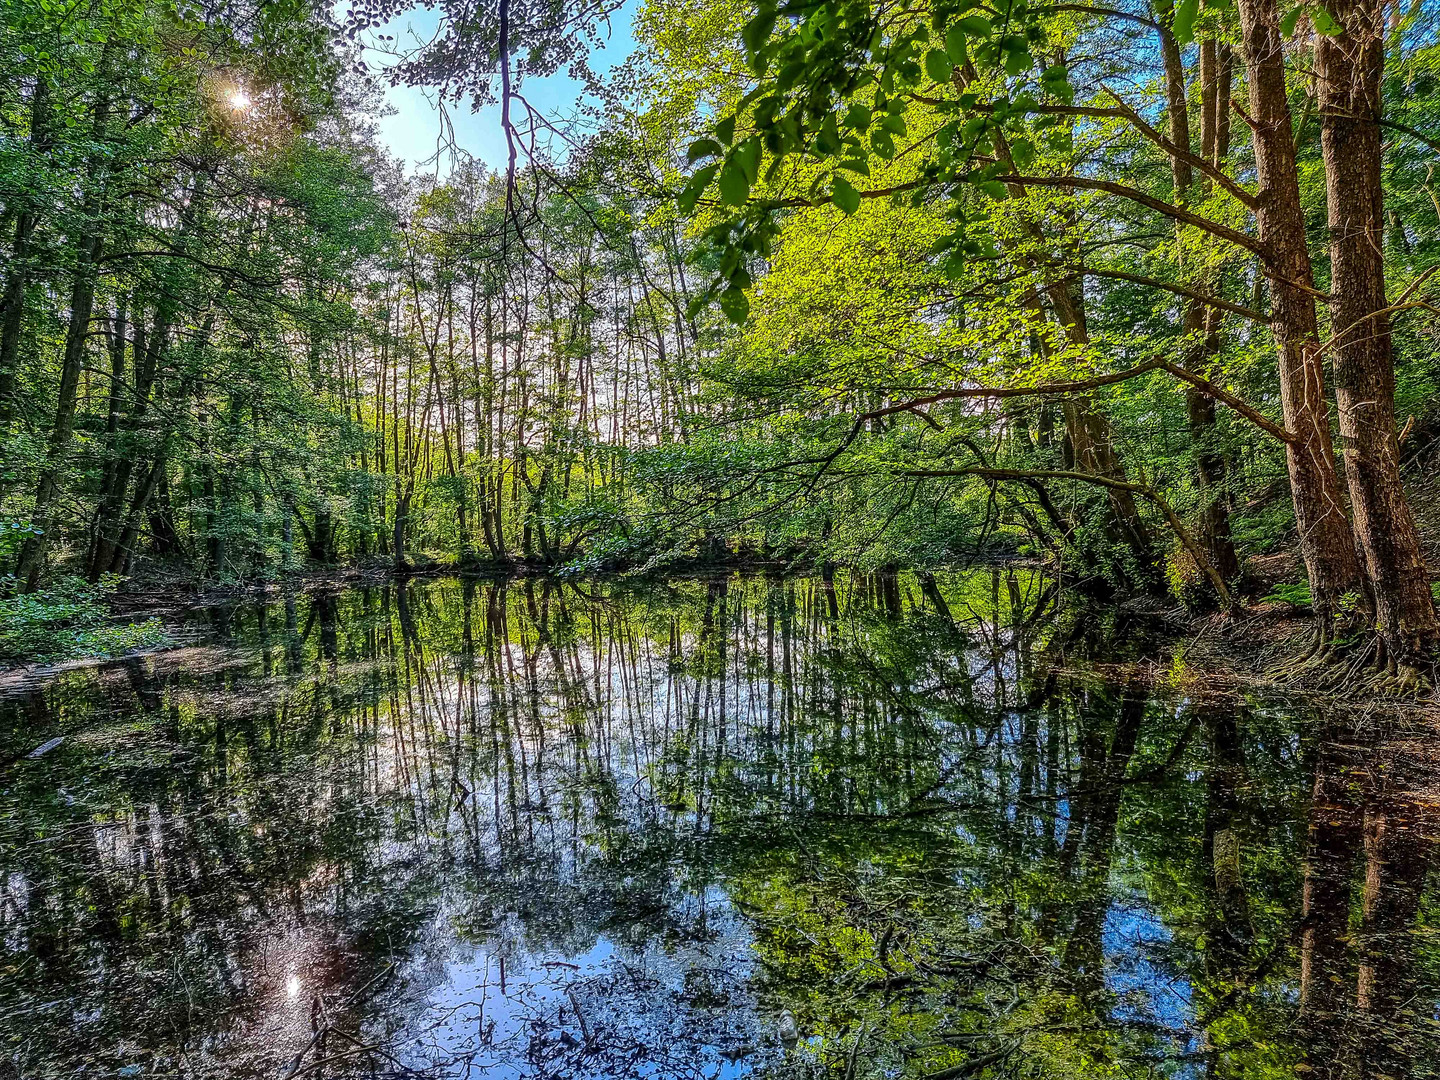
point(1319, 657)
point(1356, 666)
point(1405, 683)
point(1315, 656)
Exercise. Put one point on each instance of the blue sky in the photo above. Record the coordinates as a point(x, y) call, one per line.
point(413, 130)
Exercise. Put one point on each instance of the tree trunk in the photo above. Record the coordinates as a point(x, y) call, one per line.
point(82, 300)
point(1350, 66)
point(1202, 323)
point(1090, 437)
point(1326, 541)
point(115, 473)
point(12, 301)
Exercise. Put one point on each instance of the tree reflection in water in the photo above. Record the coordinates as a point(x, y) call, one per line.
point(593, 830)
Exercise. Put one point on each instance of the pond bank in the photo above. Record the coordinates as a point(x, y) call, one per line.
point(1210, 654)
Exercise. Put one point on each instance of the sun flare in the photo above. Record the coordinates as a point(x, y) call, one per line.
point(240, 100)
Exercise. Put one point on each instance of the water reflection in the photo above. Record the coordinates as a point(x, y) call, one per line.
point(465, 829)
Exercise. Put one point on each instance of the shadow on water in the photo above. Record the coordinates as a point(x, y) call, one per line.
point(588, 830)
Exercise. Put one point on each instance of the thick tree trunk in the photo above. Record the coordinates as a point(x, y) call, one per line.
point(1334, 840)
point(1326, 541)
point(1350, 66)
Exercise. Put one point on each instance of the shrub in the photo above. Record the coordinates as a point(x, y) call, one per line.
point(69, 619)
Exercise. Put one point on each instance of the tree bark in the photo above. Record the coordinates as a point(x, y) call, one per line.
point(1349, 67)
point(12, 301)
point(1201, 322)
point(82, 300)
point(1326, 540)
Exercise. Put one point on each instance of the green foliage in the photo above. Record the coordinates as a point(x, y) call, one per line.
point(836, 86)
point(1296, 594)
point(69, 619)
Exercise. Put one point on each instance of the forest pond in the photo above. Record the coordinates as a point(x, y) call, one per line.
point(577, 829)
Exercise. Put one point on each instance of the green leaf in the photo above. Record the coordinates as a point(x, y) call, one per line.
point(725, 129)
point(856, 165)
point(1017, 60)
point(857, 118)
point(893, 124)
point(882, 143)
point(976, 26)
point(955, 44)
point(1184, 25)
point(748, 156)
point(844, 195)
point(695, 187)
point(1289, 19)
point(701, 149)
point(1325, 23)
point(735, 304)
point(827, 139)
point(994, 188)
point(757, 31)
point(734, 185)
point(938, 66)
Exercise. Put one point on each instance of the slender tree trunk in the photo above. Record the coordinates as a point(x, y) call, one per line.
point(1326, 541)
point(162, 528)
point(82, 300)
point(1201, 322)
point(1091, 439)
point(1349, 67)
point(12, 301)
point(112, 487)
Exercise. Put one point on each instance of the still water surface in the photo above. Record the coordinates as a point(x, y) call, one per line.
point(463, 829)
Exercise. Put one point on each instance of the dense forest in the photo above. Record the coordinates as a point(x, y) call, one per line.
point(1143, 292)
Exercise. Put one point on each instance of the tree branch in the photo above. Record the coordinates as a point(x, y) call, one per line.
point(1178, 290)
point(1143, 490)
point(1124, 191)
point(1254, 415)
point(1087, 9)
point(1406, 129)
point(1072, 386)
point(1220, 176)
point(1122, 111)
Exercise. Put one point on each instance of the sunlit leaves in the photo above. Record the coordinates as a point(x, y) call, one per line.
point(1320, 19)
point(695, 187)
point(834, 87)
point(702, 149)
point(734, 185)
